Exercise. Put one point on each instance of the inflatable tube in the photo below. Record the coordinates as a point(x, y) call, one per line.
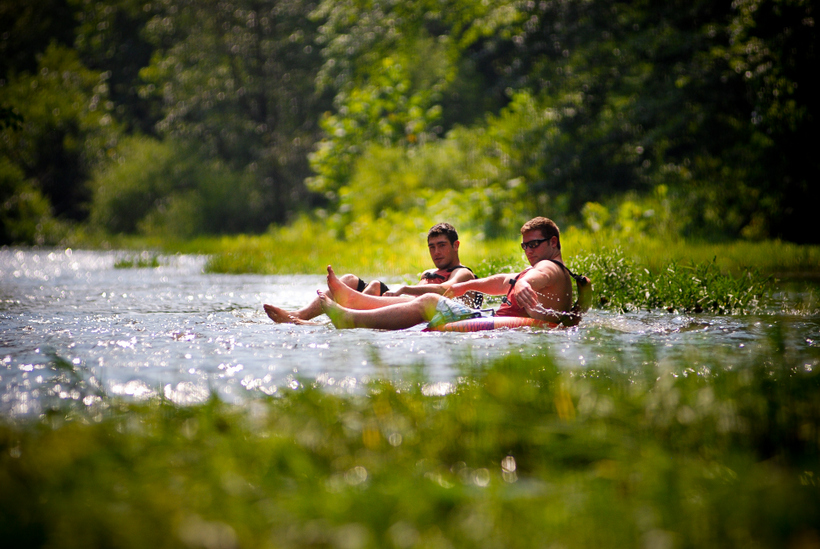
point(490, 323)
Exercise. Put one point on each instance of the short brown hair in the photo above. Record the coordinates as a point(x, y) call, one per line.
point(547, 227)
point(443, 229)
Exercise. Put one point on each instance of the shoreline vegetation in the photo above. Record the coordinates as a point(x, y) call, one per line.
point(307, 247)
point(517, 454)
point(629, 271)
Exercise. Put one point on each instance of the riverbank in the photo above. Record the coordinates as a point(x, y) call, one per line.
point(308, 247)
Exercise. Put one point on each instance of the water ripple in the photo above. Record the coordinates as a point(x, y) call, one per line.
point(73, 326)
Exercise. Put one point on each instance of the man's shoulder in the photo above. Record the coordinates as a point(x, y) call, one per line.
point(462, 271)
point(549, 267)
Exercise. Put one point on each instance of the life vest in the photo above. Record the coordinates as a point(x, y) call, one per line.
point(440, 275)
point(471, 299)
point(510, 307)
point(509, 304)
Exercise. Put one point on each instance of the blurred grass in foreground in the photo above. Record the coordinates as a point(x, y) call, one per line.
point(628, 452)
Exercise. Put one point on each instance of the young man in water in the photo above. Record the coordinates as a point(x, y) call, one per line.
point(443, 244)
point(542, 291)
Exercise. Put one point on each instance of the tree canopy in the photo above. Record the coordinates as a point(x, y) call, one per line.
point(686, 117)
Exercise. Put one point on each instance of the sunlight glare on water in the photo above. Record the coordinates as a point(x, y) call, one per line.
point(72, 326)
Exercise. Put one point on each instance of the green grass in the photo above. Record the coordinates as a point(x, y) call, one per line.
point(622, 284)
point(621, 281)
point(629, 271)
point(771, 257)
point(144, 260)
point(309, 246)
point(622, 453)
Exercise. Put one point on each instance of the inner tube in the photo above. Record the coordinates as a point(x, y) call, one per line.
point(490, 323)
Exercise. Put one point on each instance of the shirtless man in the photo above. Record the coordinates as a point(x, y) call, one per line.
point(542, 291)
point(442, 242)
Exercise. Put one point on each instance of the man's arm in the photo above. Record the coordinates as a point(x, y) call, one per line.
point(526, 296)
point(461, 275)
point(492, 285)
point(533, 282)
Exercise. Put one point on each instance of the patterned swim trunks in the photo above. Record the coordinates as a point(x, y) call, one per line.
point(449, 310)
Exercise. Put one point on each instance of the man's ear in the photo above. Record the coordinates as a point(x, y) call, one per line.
point(455, 244)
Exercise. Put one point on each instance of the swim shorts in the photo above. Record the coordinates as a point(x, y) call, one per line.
point(449, 310)
point(362, 285)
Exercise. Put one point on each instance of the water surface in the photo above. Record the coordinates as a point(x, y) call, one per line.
point(177, 331)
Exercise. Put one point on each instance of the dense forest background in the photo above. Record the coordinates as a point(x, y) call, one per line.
point(188, 117)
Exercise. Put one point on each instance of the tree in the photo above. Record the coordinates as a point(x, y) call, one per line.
point(28, 28)
point(110, 38)
point(67, 128)
point(237, 78)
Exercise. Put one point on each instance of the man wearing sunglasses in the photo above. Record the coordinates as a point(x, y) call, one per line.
point(443, 244)
point(542, 291)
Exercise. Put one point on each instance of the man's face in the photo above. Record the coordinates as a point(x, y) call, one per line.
point(443, 254)
point(541, 250)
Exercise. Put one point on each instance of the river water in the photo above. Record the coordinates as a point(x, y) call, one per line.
point(73, 326)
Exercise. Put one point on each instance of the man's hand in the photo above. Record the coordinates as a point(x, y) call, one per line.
point(399, 291)
point(455, 290)
point(527, 297)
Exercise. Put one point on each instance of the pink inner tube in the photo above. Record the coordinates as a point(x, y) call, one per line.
point(490, 323)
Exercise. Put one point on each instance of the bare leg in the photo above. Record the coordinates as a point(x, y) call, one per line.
point(281, 316)
point(309, 311)
point(397, 316)
point(345, 296)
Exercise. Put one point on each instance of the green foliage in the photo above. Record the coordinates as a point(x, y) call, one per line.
point(703, 109)
point(468, 177)
point(309, 247)
point(632, 215)
point(519, 453)
point(25, 214)
point(623, 285)
point(606, 99)
point(142, 261)
point(110, 38)
point(166, 188)
point(67, 128)
point(10, 118)
point(237, 80)
point(391, 108)
point(29, 28)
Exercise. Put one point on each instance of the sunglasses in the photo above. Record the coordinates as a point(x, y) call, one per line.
point(532, 244)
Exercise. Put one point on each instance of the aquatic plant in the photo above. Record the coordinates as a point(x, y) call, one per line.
point(623, 285)
point(620, 453)
point(144, 260)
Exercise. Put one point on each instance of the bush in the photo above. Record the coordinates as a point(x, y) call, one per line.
point(25, 214)
point(624, 285)
point(165, 188)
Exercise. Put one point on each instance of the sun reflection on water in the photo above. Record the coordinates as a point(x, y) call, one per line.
point(73, 320)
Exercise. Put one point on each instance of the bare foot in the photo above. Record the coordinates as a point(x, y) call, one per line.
point(281, 316)
point(339, 316)
point(338, 289)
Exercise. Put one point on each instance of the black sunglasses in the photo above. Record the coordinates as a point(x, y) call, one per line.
point(532, 243)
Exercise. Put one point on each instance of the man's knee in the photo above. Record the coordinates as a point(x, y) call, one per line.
point(427, 304)
point(350, 280)
point(373, 288)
